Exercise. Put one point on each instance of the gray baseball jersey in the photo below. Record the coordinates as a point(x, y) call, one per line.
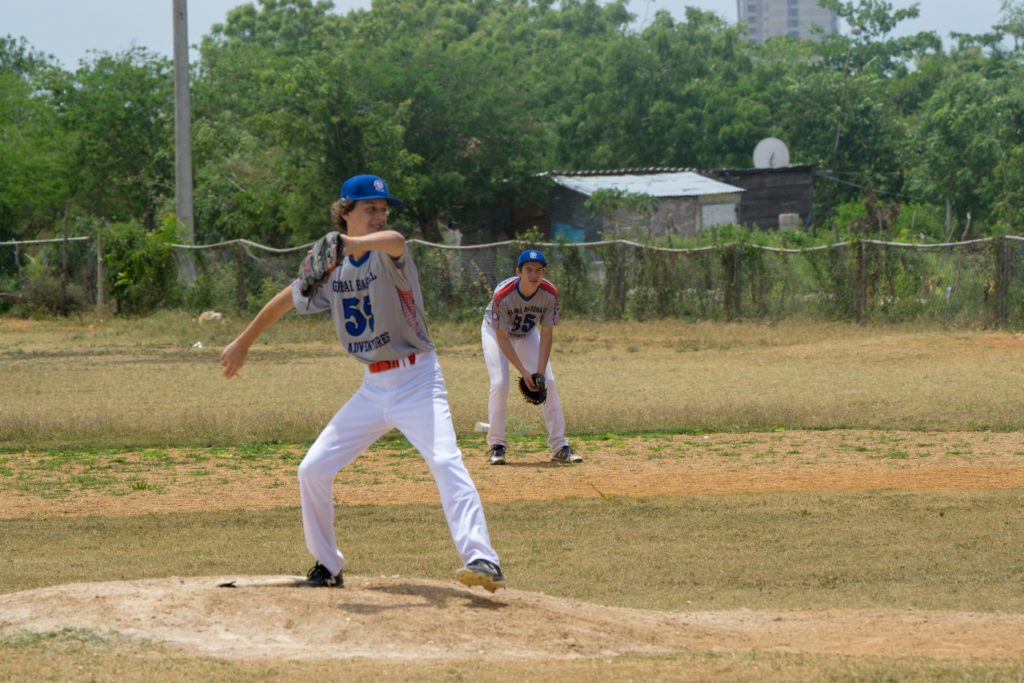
point(376, 305)
point(509, 310)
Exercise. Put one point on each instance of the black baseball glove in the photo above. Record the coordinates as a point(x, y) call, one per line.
point(319, 262)
point(535, 397)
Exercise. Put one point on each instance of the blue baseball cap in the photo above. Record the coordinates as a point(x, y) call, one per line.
point(531, 255)
point(367, 187)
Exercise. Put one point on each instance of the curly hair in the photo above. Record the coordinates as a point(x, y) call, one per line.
point(339, 209)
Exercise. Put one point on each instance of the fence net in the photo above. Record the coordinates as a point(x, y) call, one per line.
point(51, 275)
point(962, 283)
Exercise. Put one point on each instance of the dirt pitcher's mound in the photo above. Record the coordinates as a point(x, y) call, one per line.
point(266, 617)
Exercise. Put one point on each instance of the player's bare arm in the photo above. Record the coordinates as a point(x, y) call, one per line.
point(367, 230)
point(505, 344)
point(232, 358)
point(391, 242)
point(547, 336)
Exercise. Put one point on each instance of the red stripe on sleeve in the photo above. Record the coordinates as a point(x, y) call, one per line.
point(502, 293)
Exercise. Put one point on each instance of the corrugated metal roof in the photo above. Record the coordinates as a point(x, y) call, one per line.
point(678, 184)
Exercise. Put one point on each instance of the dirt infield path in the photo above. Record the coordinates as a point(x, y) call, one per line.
point(408, 618)
point(639, 466)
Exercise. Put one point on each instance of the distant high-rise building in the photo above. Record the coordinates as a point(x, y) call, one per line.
point(770, 18)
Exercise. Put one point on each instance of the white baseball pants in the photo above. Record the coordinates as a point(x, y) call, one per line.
point(528, 349)
point(413, 399)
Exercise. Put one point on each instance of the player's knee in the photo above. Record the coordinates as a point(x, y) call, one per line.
point(309, 471)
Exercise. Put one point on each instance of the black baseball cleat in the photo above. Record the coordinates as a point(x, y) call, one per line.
point(482, 573)
point(320, 577)
point(496, 456)
point(566, 454)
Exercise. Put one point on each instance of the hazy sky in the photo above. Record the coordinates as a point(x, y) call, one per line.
point(68, 29)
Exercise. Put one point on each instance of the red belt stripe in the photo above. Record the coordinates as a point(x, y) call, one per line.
point(382, 365)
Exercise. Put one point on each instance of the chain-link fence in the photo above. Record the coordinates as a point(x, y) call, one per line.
point(235, 275)
point(963, 283)
point(55, 275)
point(865, 281)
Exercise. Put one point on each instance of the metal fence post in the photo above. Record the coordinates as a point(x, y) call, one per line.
point(862, 283)
point(1003, 268)
point(99, 268)
point(732, 261)
point(737, 275)
point(64, 265)
point(241, 274)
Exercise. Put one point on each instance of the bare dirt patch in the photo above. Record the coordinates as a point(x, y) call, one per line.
point(197, 479)
point(410, 618)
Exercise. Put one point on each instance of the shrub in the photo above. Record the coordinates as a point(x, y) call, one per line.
point(140, 265)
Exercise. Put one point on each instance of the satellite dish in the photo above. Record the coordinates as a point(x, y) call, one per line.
point(771, 153)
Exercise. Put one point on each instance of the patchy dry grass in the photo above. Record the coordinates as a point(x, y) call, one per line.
point(124, 413)
point(107, 383)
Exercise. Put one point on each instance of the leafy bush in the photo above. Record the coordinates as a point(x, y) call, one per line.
point(140, 265)
point(215, 286)
point(37, 289)
point(41, 294)
point(266, 291)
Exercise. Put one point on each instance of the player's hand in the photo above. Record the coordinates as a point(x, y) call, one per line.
point(232, 358)
point(348, 246)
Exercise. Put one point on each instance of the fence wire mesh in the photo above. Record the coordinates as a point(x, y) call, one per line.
point(962, 283)
point(54, 275)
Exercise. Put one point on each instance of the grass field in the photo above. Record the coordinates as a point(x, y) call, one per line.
point(104, 419)
point(140, 383)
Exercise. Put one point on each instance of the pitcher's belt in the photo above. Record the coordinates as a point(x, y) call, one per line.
point(382, 365)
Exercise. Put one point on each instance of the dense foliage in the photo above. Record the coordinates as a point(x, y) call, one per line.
point(462, 103)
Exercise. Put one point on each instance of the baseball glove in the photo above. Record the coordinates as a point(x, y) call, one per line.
point(535, 397)
point(319, 262)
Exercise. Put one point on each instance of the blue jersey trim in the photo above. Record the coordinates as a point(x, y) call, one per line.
point(361, 261)
point(521, 295)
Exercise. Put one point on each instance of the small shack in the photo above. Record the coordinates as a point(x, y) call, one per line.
point(772, 194)
point(687, 202)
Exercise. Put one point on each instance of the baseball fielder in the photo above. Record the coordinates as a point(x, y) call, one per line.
point(518, 328)
point(370, 286)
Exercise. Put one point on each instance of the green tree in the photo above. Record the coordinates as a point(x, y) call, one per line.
point(280, 124)
point(140, 265)
point(672, 95)
point(968, 129)
point(877, 50)
point(32, 147)
point(19, 58)
point(849, 98)
point(467, 81)
point(119, 112)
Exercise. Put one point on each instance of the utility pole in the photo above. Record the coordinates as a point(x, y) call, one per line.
point(182, 125)
point(183, 139)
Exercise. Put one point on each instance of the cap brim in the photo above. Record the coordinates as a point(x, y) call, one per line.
point(391, 200)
